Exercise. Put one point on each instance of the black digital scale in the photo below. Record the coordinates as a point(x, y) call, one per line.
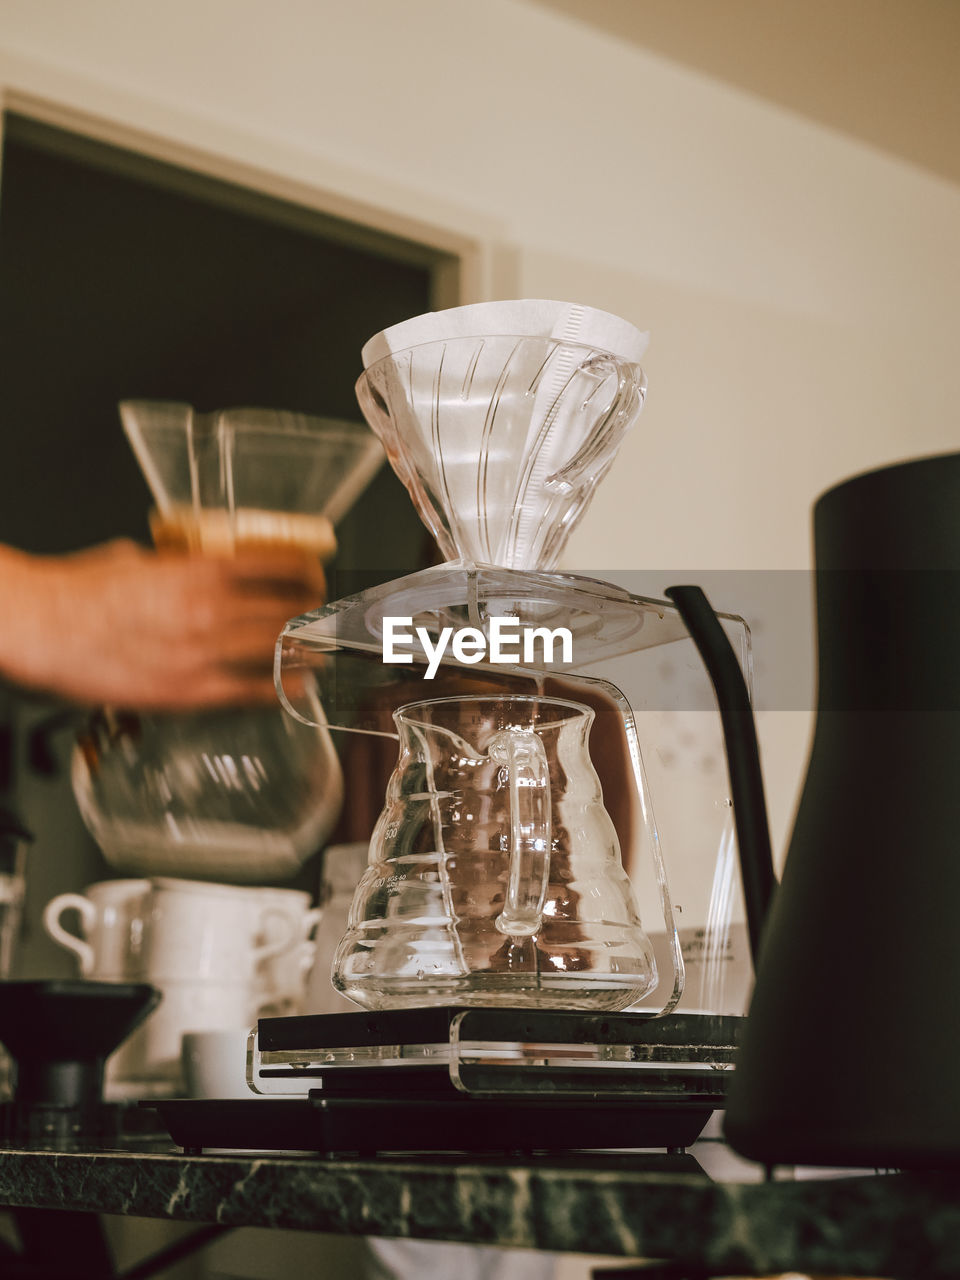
point(477, 1080)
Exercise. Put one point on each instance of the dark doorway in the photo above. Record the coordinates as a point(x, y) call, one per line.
point(127, 278)
point(124, 277)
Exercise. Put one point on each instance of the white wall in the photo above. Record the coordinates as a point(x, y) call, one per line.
point(803, 291)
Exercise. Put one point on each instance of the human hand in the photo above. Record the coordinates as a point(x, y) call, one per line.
point(151, 631)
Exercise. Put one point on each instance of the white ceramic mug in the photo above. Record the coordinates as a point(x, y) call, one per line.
point(151, 1060)
point(111, 916)
point(343, 865)
point(198, 931)
point(282, 978)
point(215, 1064)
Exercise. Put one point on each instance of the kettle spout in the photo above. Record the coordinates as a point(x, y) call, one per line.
point(743, 755)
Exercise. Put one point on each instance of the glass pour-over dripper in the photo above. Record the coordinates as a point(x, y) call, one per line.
point(238, 794)
point(501, 438)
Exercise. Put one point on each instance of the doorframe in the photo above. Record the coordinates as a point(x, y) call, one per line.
point(469, 257)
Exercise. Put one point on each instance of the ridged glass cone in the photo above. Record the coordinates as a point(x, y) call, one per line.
point(501, 441)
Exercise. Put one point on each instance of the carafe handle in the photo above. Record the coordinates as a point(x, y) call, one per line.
point(530, 830)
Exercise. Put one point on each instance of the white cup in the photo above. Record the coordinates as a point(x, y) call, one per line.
point(343, 865)
point(197, 931)
point(206, 947)
point(215, 1064)
point(282, 978)
point(111, 916)
point(151, 1059)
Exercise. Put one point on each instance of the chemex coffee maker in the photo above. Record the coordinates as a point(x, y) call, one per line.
point(549, 940)
point(236, 794)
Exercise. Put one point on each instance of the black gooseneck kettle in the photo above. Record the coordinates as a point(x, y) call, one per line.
point(851, 1049)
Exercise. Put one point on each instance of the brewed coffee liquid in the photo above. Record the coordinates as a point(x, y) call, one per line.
point(221, 532)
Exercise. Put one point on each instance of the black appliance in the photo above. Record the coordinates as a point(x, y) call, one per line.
point(59, 1034)
point(851, 1048)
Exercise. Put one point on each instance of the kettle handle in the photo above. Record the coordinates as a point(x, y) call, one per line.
point(743, 755)
point(521, 751)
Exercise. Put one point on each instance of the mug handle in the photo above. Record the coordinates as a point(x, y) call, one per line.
point(279, 946)
point(306, 957)
point(530, 830)
point(310, 923)
point(88, 916)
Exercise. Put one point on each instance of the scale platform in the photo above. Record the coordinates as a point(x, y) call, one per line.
point(476, 1080)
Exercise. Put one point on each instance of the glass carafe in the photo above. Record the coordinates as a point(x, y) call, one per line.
point(494, 872)
point(238, 795)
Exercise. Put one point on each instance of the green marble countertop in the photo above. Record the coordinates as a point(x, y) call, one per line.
point(897, 1225)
